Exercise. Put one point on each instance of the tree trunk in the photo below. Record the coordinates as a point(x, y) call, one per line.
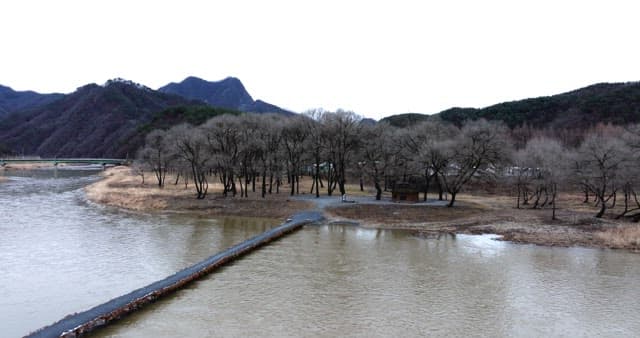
point(264, 181)
point(426, 184)
point(603, 208)
point(553, 201)
point(453, 199)
point(586, 195)
point(241, 188)
point(234, 190)
point(376, 183)
point(270, 182)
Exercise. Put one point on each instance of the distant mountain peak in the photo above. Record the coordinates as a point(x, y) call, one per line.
point(119, 80)
point(93, 121)
point(227, 93)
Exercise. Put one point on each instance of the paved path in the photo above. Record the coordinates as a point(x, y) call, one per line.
point(86, 321)
point(323, 202)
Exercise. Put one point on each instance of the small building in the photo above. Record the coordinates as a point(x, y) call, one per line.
point(405, 192)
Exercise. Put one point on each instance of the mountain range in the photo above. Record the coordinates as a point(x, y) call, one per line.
point(111, 120)
point(12, 101)
point(616, 103)
point(105, 121)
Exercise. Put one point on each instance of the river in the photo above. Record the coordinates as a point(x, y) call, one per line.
point(62, 254)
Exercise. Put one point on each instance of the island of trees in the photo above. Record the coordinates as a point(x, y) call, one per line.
point(261, 152)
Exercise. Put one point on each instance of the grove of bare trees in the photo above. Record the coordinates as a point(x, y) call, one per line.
point(339, 148)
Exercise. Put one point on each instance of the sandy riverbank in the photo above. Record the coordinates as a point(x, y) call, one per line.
point(31, 166)
point(575, 226)
point(120, 188)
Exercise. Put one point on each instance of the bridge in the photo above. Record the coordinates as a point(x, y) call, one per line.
point(56, 161)
point(78, 324)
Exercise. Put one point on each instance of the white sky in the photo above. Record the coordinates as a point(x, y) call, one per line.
point(376, 58)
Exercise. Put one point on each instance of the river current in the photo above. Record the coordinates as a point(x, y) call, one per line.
point(61, 254)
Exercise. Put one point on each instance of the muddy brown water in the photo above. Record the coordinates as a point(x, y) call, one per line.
point(62, 254)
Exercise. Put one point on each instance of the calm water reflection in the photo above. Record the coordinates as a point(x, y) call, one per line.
point(62, 254)
point(345, 281)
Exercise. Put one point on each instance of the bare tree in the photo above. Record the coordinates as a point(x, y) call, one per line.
point(480, 149)
point(545, 160)
point(377, 153)
point(223, 138)
point(138, 168)
point(422, 145)
point(191, 145)
point(294, 134)
point(268, 137)
point(157, 154)
point(522, 177)
point(316, 143)
point(343, 139)
point(601, 159)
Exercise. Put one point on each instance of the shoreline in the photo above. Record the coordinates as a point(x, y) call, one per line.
point(484, 214)
point(119, 188)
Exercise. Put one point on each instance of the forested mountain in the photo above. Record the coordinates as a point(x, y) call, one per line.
point(94, 121)
point(616, 103)
point(12, 101)
point(405, 120)
point(228, 93)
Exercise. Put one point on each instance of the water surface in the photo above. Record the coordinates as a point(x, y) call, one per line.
point(332, 281)
point(62, 254)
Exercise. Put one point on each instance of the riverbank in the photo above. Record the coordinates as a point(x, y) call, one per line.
point(121, 188)
point(574, 226)
point(31, 166)
point(475, 214)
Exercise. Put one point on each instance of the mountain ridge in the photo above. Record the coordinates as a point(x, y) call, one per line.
point(616, 103)
point(12, 101)
point(60, 128)
point(227, 93)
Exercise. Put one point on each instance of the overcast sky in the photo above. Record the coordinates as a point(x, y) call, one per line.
point(376, 58)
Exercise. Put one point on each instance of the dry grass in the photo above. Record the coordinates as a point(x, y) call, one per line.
point(626, 236)
point(473, 213)
point(121, 188)
point(405, 213)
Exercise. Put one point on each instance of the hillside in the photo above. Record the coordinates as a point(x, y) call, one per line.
point(12, 101)
point(228, 93)
point(94, 121)
point(165, 119)
point(616, 103)
point(405, 120)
